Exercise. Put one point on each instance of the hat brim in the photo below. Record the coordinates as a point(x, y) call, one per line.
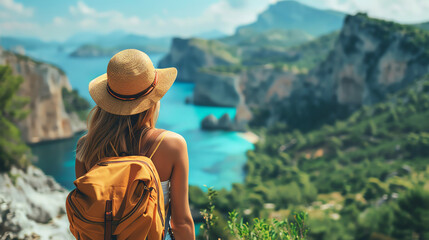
point(98, 91)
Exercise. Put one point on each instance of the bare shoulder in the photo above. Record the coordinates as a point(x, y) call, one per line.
point(175, 149)
point(174, 139)
point(173, 142)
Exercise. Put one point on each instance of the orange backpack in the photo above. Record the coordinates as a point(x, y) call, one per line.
point(118, 198)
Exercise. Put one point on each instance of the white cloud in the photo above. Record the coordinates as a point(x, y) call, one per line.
point(222, 15)
point(12, 7)
point(88, 18)
point(405, 11)
point(16, 26)
point(14, 18)
point(58, 21)
point(82, 9)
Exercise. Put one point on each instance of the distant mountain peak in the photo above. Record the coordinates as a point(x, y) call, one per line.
point(293, 15)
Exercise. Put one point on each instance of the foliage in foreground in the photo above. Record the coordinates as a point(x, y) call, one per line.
point(13, 151)
point(268, 229)
point(258, 229)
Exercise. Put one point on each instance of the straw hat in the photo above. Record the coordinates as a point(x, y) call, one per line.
point(131, 84)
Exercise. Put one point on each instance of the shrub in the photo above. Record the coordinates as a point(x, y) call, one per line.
point(259, 229)
point(263, 229)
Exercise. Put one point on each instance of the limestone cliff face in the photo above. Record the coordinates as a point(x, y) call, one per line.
point(254, 86)
point(217, 90)
point(43, 83)
point(371, 59)
point(260, 85)
point(189, 55)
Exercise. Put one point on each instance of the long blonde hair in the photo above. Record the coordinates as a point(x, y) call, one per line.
point(110, 135)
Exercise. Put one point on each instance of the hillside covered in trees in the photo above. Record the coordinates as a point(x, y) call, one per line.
point(366, 177)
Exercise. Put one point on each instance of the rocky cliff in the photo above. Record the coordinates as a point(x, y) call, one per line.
point(190, 55)
point(370, 59)
point(217, 90)
point(254, 86)
point(32, 206)
point(43, 85)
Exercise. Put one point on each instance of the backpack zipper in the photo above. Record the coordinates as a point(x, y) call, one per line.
point(81, 217)
point(77, 213)
point(153, 174)
point(137, 205)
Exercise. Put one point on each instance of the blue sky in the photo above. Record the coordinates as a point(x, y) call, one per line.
point(60, 19)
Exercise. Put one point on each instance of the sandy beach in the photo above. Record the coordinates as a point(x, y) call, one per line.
point(249, 136)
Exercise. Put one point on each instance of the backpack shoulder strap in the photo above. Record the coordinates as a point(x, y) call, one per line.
point(149, 139)
point(159, 143)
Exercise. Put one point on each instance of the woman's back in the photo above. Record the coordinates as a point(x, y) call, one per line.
point(128, 101)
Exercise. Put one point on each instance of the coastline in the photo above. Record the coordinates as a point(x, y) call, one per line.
point(57, 140)
point(249, 136)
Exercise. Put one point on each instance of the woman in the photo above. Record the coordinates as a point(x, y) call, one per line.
point(127, 99)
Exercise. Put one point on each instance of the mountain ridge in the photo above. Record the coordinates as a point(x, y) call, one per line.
point(290, 15)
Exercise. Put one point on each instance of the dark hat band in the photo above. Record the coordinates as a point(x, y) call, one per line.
point(134, 96)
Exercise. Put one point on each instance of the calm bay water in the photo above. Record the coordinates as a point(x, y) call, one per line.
point(216, 158)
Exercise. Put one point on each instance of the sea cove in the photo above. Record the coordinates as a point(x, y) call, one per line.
point(216, 158)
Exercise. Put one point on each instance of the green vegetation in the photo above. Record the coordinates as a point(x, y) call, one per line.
point(298, 59)
point(13, 151)
point(236, 68)
point(414, 38)
point(73, 102)
point(314, 52)
point(366, 177)
point(210, 219)
point(217, 48)
point(268, 229)
point(424, 26)
point(259, 229)
point(283, 49)
point(304, 56)
point(13, 177)
point(280, 38)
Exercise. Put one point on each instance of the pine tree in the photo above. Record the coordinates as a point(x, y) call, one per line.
point(13, 151)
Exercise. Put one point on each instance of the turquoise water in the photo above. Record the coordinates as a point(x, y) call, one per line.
point(215, 158)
